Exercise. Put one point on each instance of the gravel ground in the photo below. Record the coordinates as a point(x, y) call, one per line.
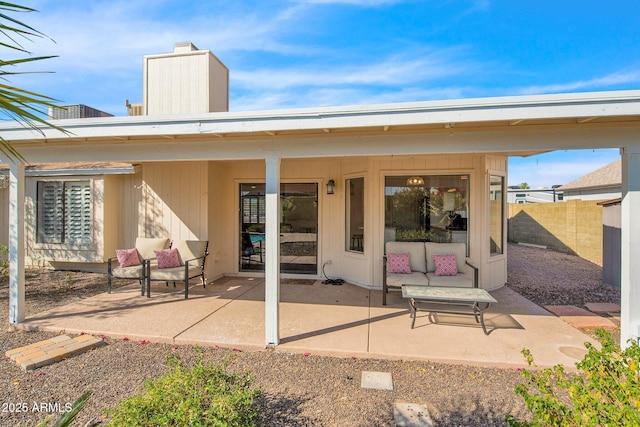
point(297, 390)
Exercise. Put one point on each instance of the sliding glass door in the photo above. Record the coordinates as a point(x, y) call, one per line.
point(298, 227)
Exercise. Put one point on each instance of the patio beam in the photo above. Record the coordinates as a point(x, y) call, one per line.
point(630, 248)
point(16, 242)
point(272, 256)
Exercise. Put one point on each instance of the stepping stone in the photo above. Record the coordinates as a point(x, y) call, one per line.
point(53, 350)
point(411, 415)
point(376, 380)
point(603, 307)
point(580, 318)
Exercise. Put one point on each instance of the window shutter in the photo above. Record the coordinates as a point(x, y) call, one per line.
point(50, 212)
point(78, 212)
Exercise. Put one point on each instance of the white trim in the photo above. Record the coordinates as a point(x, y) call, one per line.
point(502, 109)
point(17, 312)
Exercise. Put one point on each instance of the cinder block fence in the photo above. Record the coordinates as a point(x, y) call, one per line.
point(574, 227)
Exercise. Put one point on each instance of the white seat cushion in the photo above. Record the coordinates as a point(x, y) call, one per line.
point(174, 274)
point(458, 281)
point(133, 272)
point(415, 278)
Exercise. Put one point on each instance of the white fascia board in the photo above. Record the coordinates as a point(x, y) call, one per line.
point(81, 171)
point(535, 107)
point(130, 170)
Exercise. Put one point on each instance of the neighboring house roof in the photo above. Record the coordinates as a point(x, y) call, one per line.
point(74, 168)
point(607, 176)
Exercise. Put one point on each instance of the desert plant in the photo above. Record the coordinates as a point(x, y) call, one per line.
point(205, 395)
point(604, 392)
point(4, 261)
point(68, 417)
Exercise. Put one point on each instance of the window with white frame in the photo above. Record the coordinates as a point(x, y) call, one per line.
point(64, 212)
point(354, 215)
point(496, 215)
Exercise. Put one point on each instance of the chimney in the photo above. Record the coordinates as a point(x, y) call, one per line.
point(186, 81)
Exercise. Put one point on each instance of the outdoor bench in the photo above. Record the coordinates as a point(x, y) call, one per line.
point(426, 264)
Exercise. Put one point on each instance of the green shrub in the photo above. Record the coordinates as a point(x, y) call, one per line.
point(203, 396)
point(604, 392)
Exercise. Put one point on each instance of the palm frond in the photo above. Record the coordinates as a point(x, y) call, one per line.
point(26, 107)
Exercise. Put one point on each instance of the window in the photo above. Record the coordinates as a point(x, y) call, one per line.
point(496, 215)
point(427, 208)
point(64, 212)
point(354, 217)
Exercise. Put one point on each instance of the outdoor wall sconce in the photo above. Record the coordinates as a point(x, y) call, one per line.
point(414, 181)
point(331, 186)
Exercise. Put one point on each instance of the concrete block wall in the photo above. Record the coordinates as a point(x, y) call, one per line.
point(574, 227)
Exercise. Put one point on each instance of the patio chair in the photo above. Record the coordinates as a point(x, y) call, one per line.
point(145, 248)
point(190, 265)
point(249, 248)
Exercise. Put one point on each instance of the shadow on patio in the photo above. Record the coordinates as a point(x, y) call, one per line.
point(342, 320)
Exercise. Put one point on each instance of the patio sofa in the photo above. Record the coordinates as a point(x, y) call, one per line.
point(414, 263)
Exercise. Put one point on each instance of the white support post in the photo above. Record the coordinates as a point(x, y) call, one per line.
point(272, 259)
point(630, 250)
point(16, 242)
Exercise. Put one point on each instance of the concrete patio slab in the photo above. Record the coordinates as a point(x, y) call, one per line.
point(376, 380)
point(346, 321)
point(411, 415)
point(580, 318)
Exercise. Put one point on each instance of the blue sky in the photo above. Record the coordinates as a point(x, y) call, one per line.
point(305, 53)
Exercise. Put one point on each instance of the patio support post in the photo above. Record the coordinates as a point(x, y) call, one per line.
point(630, 250)
point(272, 259)
point(16, 242)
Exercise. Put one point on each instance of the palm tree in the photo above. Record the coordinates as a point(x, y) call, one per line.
point(21, 105)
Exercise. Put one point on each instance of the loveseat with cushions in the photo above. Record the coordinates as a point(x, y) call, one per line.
point(428, 264)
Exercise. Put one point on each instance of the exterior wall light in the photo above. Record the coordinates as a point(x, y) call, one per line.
point(331, 186)
point(415, 181)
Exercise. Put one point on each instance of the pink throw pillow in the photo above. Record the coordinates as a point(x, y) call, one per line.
point(399, 263)
point(128, 257)
point(168, 258)
point(445, 265)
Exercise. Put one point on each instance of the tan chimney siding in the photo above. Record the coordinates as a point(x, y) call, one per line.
point(186, 81)
point(135, 109)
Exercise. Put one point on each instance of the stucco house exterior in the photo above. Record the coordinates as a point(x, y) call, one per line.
point(313, 189)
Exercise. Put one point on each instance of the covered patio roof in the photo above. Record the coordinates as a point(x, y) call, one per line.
point(520, 125)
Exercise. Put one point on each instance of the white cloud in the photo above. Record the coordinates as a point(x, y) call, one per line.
point(363, 3)
point(398, 69)
point(613, 79)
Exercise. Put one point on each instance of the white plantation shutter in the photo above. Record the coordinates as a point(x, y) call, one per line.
point(50, 212)
point(64, 212)
point(77, 212)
